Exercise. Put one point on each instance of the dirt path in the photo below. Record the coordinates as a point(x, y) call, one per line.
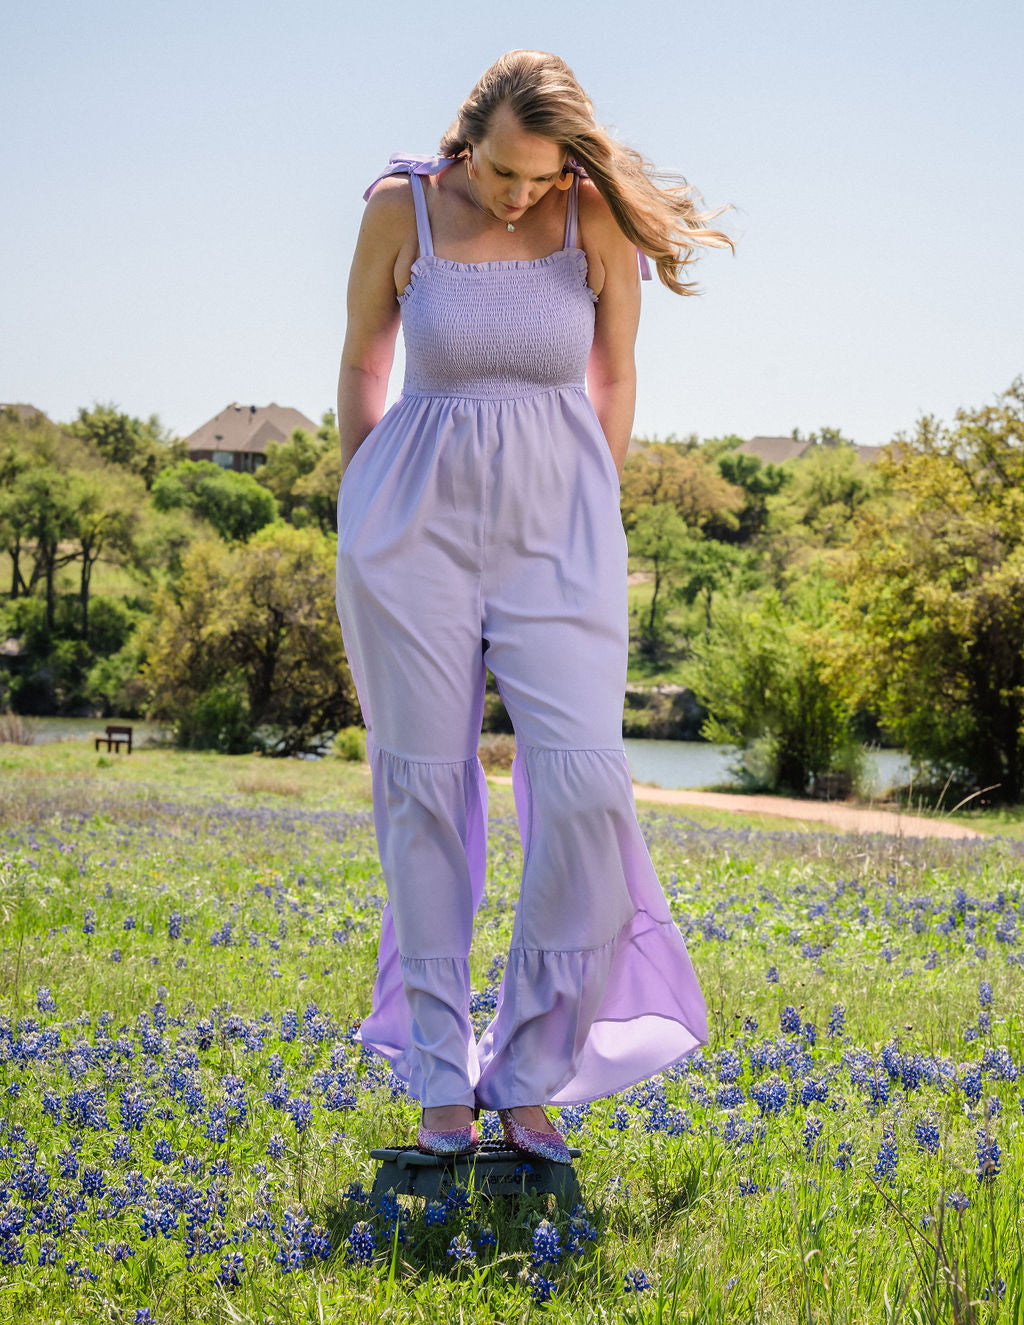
point(845, 818)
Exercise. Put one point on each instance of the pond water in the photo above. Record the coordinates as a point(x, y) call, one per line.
point(683, 764)
point(673, 764)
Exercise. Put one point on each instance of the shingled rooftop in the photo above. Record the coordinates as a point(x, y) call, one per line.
point(238, 436)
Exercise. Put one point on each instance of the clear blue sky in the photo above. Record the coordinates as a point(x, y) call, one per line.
point(182, 189)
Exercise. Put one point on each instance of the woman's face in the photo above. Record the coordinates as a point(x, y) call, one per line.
point(513, 169)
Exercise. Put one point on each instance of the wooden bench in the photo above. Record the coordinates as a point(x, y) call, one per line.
point(116, 737)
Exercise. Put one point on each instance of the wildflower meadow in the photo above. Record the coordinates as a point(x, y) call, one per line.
point(188, 943)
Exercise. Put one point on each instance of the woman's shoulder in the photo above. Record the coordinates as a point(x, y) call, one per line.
point(596, 217)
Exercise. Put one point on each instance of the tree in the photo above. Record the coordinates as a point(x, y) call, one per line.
point(933, 626)
point(235, 504)
point(761, 672)
point(141, 448)
point(245, 650)
point(286, 464)
point(658, 538)
point(104, 513)
point(758, 482)
point(828, 485)
point(685, 480)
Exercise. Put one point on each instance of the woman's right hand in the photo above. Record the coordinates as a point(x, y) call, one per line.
point(373, 311)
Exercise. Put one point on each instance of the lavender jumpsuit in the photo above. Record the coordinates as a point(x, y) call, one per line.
point(479, 528)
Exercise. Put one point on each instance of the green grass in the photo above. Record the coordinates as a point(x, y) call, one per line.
point(900, 932)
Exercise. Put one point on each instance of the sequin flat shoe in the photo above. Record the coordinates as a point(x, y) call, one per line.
point(455, 1141)
point(539, 1145)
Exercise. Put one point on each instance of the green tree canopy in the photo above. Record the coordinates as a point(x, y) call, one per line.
point(235, 504)
point(933, 621)
point(143, 448)
point(686, 480)
point(762, 673)
point(244, 649)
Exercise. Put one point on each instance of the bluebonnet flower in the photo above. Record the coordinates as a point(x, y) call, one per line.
point(360, 1244)
point(461, 1249)
point(435, 1212)
point(813, 1090)
point(456, 1199)
point(486, 1238)
point(581, 1230)
point(620, 1120)
point(635, 1281)
point(547, 1244)
point(748, 1187)
point(44, 1000)
point(997, 1287)
point(68, 1162)
point(93, 1181)
point(926, 1134)
point(836, 1020)
point(133, 1108)
point(121, 1150)
point(958, 1201)
point(12, 1252)
point(812, 1130)
point(970, 1082)
point(844, 1156)
point(888, 1157)
point(985, 993)
point(216, 1125)
point(770, 1095)
point(174, 923)
point(984, 1023)
point(989, 1157)
point(541, 1289)
point(789, 1020)
point(142, 1316)
point(772, 975)
point(89, 921)
point(301, 1112)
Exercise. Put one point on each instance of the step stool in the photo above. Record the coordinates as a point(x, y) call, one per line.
point(492, 1170)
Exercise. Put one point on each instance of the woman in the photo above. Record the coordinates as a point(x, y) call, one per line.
point(479, 528)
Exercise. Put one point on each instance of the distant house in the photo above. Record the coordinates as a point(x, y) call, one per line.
point(774, 450)
point(237, 437)
point(25, 412)
point(777, 450)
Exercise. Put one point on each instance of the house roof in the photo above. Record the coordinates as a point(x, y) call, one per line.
point(25, 411)
point(773, 450)
point(248, 428)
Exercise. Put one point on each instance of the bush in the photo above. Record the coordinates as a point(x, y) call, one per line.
point(350, 744)
point(218, 719)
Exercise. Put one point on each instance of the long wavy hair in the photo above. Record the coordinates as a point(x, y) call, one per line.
point(654, 209)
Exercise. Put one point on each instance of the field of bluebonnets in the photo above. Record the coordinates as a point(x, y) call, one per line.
point(188, 943)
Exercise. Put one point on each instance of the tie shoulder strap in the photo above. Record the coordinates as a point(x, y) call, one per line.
point(416, 167)
point(404, 164)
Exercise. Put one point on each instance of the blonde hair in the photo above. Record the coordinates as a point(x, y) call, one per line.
point(542, 92)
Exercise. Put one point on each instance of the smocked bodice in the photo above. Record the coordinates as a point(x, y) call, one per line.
point(494, 329)
point(497, 328)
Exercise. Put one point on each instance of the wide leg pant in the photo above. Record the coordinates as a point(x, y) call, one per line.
point(468, 540)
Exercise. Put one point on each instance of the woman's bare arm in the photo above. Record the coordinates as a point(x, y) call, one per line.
point(611, 368)
point(373, 313)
